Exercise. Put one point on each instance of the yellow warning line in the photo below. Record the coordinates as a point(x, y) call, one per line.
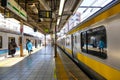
point(55, 73)
point(60, 70)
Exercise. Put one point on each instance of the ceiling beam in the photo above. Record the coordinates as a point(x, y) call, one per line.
point(44, 4)
point(90, 7)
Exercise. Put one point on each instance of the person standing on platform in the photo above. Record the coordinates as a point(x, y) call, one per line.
point(12, 47)
point(101, 45)
point(29, 46)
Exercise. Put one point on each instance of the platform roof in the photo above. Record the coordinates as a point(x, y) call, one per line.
point(44, 25)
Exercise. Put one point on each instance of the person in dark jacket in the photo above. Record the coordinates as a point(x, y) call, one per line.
point(12, 47)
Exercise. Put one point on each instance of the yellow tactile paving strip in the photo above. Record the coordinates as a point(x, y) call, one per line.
point(60, 70)
point(73, 71)
point(10, 61)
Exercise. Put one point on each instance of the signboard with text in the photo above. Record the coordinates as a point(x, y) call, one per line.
point(45, 14)
point(15, 8)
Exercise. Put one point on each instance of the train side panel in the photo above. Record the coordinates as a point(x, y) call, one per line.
point(113, 42)
point(102, 29)
point(110, 64)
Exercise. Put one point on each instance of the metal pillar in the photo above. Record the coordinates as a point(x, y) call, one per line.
point(45, 40)
point(26, 5)
point(18, 1)
point(21, 39)
point(55, 41)
point(52, 40)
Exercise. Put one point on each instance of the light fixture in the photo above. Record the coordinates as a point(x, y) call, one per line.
point(61, 6)
point(58, 21)
point(60, 10)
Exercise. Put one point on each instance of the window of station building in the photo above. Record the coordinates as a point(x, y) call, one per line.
point(0, 41)
point(94, 42)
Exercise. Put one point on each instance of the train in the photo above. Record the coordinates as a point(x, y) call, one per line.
point(82, 43)
point(6, 36)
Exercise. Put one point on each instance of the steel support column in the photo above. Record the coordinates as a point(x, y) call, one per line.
point(21, 39)
point(45, 40)
point(26, 5)
point(55, 41)
point(19, 2)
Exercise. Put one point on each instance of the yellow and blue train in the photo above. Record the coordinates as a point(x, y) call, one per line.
point(6, 36)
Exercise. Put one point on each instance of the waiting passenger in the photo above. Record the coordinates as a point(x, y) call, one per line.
point(12, 47)
point(29, 46)
point(101, 45)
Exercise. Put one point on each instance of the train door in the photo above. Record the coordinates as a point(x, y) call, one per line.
point(10, 38)
point(75, 44)
point(72, 44)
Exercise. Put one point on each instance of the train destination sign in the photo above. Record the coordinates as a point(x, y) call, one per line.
point(45, 14)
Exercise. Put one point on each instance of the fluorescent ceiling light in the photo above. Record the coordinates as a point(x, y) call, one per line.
point(61, 6)
point(58, 21)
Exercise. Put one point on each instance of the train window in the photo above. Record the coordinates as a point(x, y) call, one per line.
point(10, 38)
point(63, 43)
point(67, 41)
point(83, 42)
point(75, 39)
point(93, 42)
point(0, 41)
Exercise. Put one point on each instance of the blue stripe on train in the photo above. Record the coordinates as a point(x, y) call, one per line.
point(6, 51)
point(3, 51)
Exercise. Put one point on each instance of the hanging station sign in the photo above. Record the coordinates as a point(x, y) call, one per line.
point(45, 14)
point(14, 7)
point(46, 30)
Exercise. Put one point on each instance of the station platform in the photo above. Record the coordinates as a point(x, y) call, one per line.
point(40, 65)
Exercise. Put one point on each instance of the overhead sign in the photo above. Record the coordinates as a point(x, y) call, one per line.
point(45, 14)
point(46, 30)
point(14, 7)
